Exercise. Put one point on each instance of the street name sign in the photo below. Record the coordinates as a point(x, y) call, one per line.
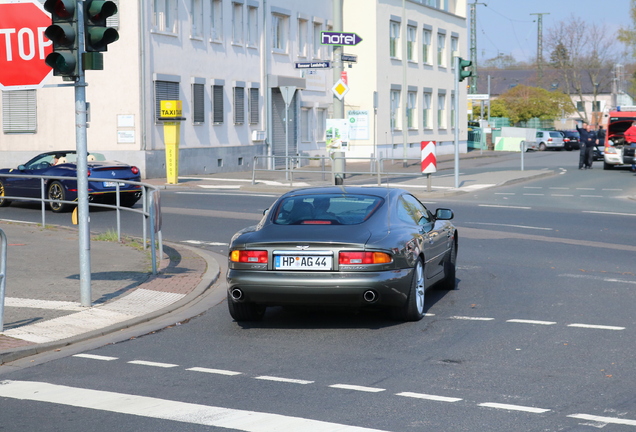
point(349, 58)
point(339, 38)
point(313, 65)
point(23, 45)
point(477, 96)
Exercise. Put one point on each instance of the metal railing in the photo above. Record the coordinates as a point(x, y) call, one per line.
point(3, 275)
point(376, 167)
point(148, 212)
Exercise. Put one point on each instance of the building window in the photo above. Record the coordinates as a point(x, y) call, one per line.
point(321, 124)
point(305, 124)
point(198, 105)
point(441, 49)
point(394, 39)
point(252, 26)
point(19, 111)
point(426, 46)
point(454, 52)
point(165, 90)
point(411, 109)
point(317, 40)
point(427, 111)
point(302, 38)
point(280, 31)
point(216, 20)
point(411, 36)
point(217, 104)
point(254, 108)
point(239, 105)
point(580, 106)
point(196, 19)
point(441, 111)
point(165, 16)
point(395, 110)
point(237, 23)
point(596, 106)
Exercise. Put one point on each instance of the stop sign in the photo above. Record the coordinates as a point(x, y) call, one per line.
point(23, 46)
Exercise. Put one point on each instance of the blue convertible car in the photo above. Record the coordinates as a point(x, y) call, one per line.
point(62, 164)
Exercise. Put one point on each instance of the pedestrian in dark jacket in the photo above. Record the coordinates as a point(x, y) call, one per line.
point(588, 140)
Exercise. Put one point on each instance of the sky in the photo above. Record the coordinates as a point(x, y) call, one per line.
point(506, 26)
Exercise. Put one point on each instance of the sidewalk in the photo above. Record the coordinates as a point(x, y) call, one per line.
point(42, 305)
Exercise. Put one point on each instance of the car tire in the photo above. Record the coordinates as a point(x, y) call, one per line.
point(244, 311)
point(542, 147)
point(607, 166)
point(413, 309)
point(56, 191)
point(450, 270)
point(3, 202)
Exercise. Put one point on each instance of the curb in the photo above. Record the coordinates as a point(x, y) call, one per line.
point(208, 279)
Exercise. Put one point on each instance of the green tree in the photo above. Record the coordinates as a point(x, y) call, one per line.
point(522, 103)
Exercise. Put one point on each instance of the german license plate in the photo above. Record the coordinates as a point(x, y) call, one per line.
point(303, 262)
point(113, 184)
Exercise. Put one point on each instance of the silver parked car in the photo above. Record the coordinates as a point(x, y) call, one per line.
point(342, 246)
point(550, 140)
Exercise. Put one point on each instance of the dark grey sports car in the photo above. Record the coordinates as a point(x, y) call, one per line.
point(342, 246)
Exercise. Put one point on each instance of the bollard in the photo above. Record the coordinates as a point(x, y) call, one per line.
point(522, 146)
point(3, 275)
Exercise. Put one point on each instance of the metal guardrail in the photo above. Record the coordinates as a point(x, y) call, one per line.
point(3, 275)
point(376, 167)
point(149, 194)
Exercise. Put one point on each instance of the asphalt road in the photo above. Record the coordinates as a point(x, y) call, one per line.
point(537, 337)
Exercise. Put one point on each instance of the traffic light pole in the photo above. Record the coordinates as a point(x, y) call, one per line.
point(83, 216)
point(457, 61)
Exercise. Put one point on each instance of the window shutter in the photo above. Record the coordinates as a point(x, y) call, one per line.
point(239, 105)
point(165, 90)
point(217, 104)
point(198, 107)
point(19, 111)
point(254, 108)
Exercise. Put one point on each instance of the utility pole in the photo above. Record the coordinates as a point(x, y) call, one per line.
point(473, 46)
point(540, 41)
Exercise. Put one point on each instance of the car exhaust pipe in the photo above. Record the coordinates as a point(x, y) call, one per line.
point(370, 296)
point(236, 294)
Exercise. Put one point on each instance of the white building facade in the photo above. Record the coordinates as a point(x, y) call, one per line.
point(230, 63)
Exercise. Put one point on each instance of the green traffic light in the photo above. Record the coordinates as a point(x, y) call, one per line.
point(463, 74)
point(98, 34)
point(62, 63)
point(62, 35)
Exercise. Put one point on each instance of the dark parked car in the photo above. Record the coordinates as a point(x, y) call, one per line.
point(61, 164)
point(342, 246)
point(571, 140)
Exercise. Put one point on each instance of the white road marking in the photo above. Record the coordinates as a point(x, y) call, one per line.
point(561, 195)
point(581, 276)
point(559, 188)
point(533, 187)
point(523, 321)
point(155, 364)
point(219, 186)
point(357, 388)
point(214, 371)
point(43, 304)
point(198, 242)
point(514, 407)
point(285, 380)
point(22, 222)
point(505, 206)
point(533, 194)
point(587, 189)
point(513, 226)
point(241, 420)
point(612, 420)
point(608, 189)
point(226, 194)
point(428, 397)
point(471, 318)
point(592, 196)
point(599, 327)
point(610, 213)
point(505, 193)
point(96, 357)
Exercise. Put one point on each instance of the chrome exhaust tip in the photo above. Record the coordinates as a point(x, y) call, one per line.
point(236, 294)
point(370, 296)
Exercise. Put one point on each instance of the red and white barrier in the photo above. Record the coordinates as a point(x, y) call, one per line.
point(429, 158)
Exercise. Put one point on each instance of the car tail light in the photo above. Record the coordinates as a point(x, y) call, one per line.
point(566, 139)
point(549, 139)
point(249, 256)
point(134, 170)
point(347, 258)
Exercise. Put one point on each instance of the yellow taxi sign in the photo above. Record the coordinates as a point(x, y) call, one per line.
point(171, 108)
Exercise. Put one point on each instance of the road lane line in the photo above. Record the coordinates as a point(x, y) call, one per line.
point(533, 194)
point(505, 206)
point(612, 420)
point(599, 327)
point(592, 196)
point(428, 397)
point(523, 321)
point(561, 195)
point(609, 213)
point(95, 357)
point(471, 318)
point(357, 388)
point(581, 276)
point(285, 380)
point(155, 364)
point(513, 226)
point(214, 371)
point(514, 407)
point(150, 407)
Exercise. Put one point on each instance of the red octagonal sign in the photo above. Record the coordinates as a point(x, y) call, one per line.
point(23, 45)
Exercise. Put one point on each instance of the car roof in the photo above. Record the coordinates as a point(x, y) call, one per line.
point(378, 191)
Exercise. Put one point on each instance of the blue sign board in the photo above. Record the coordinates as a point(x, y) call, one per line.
point(339, 38)
point(313, 65)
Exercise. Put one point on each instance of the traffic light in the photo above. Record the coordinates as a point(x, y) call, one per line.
point(463, 72)
point(97, 34)
point(63, 33)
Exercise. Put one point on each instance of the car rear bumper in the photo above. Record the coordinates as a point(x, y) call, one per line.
point(271, 288)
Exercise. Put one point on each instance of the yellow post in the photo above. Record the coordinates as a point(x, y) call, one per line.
point(171, 135)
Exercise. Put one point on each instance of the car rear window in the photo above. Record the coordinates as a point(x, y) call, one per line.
point(326, 209)
point(556, 135)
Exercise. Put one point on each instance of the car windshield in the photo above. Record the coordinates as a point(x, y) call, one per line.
point(326, 209)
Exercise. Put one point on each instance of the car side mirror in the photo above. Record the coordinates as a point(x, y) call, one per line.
point(444, 214)
point(21, 167)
